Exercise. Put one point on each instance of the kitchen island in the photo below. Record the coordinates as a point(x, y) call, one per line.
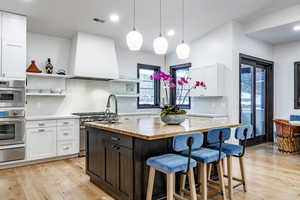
point(117, 153)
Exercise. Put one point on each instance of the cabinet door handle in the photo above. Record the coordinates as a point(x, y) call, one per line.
point(65, 133)
point(14, 45)
point(114, 147)
point(65, 123)
point(115, 139)
point(66, 148)
point(41, 130)
point(41, 124)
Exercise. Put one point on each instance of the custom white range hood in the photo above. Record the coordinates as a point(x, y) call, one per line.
point(94, 57)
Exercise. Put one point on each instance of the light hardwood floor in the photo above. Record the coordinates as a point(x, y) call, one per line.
point(271, 176)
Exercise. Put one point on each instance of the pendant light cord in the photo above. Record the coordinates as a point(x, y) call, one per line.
point(134, 15)
point(160, 25)
point(182, 21)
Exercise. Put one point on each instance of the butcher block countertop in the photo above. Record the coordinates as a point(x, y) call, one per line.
point(151, 127)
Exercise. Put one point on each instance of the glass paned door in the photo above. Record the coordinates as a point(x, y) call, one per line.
point(253, 98)
point(260, 91)
point(246, 94)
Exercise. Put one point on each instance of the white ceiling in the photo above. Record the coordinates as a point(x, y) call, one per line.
point(278, 34)
point(65, 17)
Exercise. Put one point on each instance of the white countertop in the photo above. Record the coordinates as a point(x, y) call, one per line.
point(51, 117)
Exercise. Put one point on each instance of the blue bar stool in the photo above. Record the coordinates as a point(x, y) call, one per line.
point(241, 133)
point(169, 164)
point(206, 156)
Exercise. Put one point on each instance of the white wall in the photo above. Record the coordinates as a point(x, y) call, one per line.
point(214, 47)
point(223, 45)
point(41, 47)
point(284, 56)
point(82, 95)
point(249, 46)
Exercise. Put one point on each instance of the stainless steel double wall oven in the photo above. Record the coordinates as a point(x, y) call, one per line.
point(12, 120)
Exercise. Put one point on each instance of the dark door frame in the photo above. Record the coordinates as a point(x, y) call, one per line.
point(269, 97)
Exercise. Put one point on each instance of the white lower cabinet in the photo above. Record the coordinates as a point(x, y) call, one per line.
point(41, 143)
point(51, 138)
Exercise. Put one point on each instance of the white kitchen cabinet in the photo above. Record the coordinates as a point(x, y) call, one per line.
point(41, 143)
point(213, 76)
point(51, 138)
point(13, 45)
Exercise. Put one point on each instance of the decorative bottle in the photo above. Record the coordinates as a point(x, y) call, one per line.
point(49, 67)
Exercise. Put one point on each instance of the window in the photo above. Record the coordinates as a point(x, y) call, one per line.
point(178, 93)
point(149, 90)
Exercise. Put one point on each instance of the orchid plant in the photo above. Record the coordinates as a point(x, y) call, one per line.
point(184, 83)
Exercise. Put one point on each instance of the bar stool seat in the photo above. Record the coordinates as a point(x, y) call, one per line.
point(171, 162)
point(228, 149)
point(206, 155)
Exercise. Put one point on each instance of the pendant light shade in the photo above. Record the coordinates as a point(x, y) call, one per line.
point(160, 45)
point(134, 40)
point(183, 51)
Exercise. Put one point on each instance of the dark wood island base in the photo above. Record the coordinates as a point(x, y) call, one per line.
point(117, 153)
point(117, 163)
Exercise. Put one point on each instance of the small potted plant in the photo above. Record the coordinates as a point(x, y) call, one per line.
point(172, 114)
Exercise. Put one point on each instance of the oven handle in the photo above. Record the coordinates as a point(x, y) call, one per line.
point(12, 89)
point(8, 120)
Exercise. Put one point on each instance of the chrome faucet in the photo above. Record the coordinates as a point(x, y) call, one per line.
point(109, 115)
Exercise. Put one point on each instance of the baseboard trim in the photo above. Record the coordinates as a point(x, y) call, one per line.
point(22, 163)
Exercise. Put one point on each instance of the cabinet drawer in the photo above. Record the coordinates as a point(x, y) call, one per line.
point(65, 133)
point(65, 148)
point(119, 139)
point(65, 122)
point(41, 124)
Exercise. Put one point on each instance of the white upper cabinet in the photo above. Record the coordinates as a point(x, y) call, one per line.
point(13, 45)
point(94, 57)
point(213, 76)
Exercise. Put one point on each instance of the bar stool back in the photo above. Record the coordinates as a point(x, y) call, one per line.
point(241, 133)
point(169, 164)
point(205, 156)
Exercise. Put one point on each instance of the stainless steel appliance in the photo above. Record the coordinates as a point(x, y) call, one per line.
point(96, 116)
point(87, 117)
point(12, 129)
point(12, 93)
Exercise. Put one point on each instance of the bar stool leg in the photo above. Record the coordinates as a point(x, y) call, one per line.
point(221, 179)
point(209, 165)
point(203, 178)
point(150, 183)
point(242, 166)
point(182, 184)
point(229, 171)
point(170, 186)
point(192, 184)
point(223, 165)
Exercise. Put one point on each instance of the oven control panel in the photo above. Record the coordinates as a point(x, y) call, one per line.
point(12, 113)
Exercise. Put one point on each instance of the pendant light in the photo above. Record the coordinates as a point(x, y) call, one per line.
point(183, 50)
point(134, 38)
point(160, 44)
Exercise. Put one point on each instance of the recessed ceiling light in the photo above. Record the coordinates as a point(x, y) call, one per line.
point(99, 20)
point(27, 1)
point(297, 28)
point(171, 33)
point(114, 18)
